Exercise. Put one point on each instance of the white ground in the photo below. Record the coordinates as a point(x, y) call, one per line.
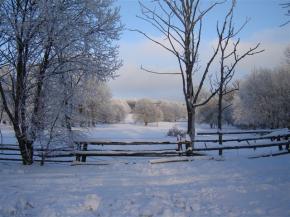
point(206, 186)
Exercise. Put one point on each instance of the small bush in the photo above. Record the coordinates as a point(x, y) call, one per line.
point(174, 131)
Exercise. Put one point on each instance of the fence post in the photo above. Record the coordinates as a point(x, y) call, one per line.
point(78, 157)
point(179, 148)
point(220, 138)
point(85, 148)
point(220, 152)
point(287, 147)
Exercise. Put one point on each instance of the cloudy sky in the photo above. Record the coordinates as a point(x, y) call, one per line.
point(265, 16)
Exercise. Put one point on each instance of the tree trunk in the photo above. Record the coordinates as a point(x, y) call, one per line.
point(220, 111)
point(191, 128)
point(26, 150)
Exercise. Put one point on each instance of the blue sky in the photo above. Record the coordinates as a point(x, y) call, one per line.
point(266, 16)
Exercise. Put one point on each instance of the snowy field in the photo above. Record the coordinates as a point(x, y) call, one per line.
point(133, 187)
point(203, 187)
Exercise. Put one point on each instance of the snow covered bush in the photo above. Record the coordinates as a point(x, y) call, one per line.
point(175, 131)
point(147, 111)
point(264, 99)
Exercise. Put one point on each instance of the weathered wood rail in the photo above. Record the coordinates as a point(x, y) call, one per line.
point(222, 148)
point(261, 132)
point(82, 151)
point(220, 134)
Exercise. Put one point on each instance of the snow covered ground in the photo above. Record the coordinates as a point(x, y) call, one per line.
point(202, 187)
point(133, 187)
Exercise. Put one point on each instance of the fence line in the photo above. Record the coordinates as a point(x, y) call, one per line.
point(82, 147)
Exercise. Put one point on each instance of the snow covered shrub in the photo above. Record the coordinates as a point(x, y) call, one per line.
point(147, 111)
point(174, 131)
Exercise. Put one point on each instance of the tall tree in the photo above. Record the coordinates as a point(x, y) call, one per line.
point(229, 59)
point(46, 40)
point(180, 22)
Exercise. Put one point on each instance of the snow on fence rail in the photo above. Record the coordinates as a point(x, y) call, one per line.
point(82, 151)
point(81, 155)
point(221, 148)
point(270, 134)
point(235, 132)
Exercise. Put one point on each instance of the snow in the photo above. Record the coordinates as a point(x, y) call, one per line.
point(280, 132)
point(127, 132)
point(171, 159)
point(201, 186)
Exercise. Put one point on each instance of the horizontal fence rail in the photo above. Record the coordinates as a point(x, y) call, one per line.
point(243, 146)
point(236, 132)
point(81, 151)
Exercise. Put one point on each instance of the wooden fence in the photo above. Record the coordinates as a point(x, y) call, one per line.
point(83, 148)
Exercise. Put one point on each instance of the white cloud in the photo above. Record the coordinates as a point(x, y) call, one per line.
point(135, 83)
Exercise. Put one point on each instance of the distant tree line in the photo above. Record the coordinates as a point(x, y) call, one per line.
point(94, 105)
point(148, 111)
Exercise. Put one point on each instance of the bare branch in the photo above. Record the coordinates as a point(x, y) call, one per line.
point(159, 73)
point(155, 41)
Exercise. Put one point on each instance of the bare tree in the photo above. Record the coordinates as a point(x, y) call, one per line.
point(229, 59)
point(180, 22)
point(287, 7)
point(50, 41)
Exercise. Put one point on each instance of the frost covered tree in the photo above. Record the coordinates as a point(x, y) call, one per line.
point(287, 55)
point(91, 103)
point(181, 26)
point(147, 111)
point(264, 99)
point(172, 111)
point(119, 110)
point(51, 42)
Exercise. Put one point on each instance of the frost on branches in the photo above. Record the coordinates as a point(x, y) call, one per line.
point(47, 48)
point(264, 99)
